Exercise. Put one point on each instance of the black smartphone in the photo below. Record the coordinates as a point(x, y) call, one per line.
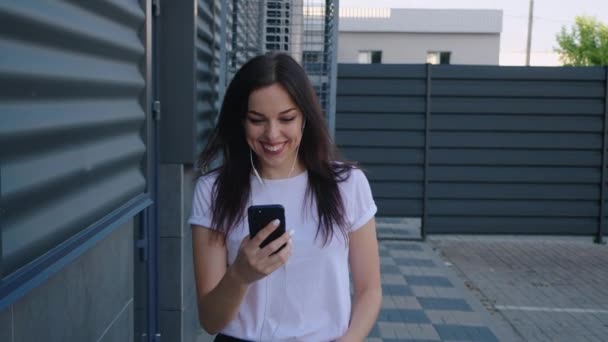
point(261, 215)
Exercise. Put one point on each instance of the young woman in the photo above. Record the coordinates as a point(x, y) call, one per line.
point(275, 149)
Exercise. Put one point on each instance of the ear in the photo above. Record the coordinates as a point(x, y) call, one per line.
point(303, 124)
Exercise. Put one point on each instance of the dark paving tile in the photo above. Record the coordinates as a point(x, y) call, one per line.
point(396, 290)
point(467, 333)
point(415, 262)
point(375, 331)
point(428, 281)
point(403, 316)
point(390, 269)
point(452, 304)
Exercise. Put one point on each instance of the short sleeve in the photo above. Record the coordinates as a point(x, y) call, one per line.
point(201, 214)
point(360, 202)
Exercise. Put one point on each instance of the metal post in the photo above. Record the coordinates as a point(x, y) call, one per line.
point(151, 213)
point(333, 71)
point(529, 43)
point(223, 69)
point(427, 138)
point(599, 238)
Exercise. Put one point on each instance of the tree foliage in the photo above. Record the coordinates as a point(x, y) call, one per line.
point(586, 44)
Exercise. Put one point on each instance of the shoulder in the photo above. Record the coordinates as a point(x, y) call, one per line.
point(206, 182)
point(348, 174)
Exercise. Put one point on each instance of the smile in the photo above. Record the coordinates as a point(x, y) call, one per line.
point(273, 147)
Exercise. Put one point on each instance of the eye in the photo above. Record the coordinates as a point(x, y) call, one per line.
point(255, 121)
point(288, 119)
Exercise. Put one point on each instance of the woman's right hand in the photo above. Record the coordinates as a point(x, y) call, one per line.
point(254, 263)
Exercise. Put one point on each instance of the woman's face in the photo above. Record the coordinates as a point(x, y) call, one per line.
point(273, 128)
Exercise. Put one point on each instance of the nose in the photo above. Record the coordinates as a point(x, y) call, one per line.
point(272, 130)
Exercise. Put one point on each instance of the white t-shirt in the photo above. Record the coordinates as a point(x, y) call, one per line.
point(308, 299)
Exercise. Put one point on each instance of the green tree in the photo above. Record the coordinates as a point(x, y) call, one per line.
point(585, 45)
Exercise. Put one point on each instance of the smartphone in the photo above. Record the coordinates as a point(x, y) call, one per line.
point(261, 215)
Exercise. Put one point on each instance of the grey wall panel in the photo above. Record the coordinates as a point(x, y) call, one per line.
point(522, 157)
point(72, 98)
point(207, 54)
point(517, 106)
point(380, 172)
point(383, 104)
point(520, 89)
point(379, 138)
point(383, 87)
point(511, 149)
point(522, 191)
point(516, 122)
point(515, 174)
point(379, 121)
point(368, 155)
point(516, 140)
point(512, 225)
point(381, 71)
point(477, 72)
point(399, 207)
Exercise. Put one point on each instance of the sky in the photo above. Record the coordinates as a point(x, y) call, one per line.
point(549, 17)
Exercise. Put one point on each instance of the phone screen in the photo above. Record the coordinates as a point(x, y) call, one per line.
point(261, 215)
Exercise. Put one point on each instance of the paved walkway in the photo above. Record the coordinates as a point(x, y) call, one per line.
point(424, 300)
point(546, 288)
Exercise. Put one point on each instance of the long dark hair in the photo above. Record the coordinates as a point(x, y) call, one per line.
point(318, 154)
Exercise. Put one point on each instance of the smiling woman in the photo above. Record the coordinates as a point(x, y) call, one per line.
point(276, 151)
point(273, 129)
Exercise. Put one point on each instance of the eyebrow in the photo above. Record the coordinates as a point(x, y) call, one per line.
point(283, 112)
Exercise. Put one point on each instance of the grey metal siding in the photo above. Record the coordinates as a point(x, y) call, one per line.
point(208, 45)
point(380, 124)
point(72, 98)
point(511, 150)
point(215, 40)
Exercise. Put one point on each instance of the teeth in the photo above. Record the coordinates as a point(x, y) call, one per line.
point(273, 148)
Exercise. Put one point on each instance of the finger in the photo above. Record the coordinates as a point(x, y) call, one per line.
point(267, 230)
point(279, 259)
point(275, 245)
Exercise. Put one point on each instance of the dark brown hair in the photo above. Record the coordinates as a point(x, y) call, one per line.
point(317, 152)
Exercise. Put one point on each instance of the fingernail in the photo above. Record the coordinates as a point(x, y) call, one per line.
point(276, 222)
point(292, 232)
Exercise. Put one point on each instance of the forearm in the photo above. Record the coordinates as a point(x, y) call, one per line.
point(364, 313)
point(218, 307)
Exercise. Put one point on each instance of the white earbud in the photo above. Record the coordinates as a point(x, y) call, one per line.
point(255, 171)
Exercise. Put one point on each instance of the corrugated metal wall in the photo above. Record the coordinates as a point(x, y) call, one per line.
point(208, 42)
point(508, 149)
point(213, 44)
point(72, 104)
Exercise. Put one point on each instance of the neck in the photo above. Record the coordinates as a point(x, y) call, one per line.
point(282, 173)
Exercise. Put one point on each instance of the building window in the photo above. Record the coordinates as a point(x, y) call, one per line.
point(312, 56)
point(273, 47)
point(370, 57)
point(438, 57)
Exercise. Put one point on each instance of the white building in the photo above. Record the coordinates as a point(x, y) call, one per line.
point(283, 25)
point(450, 36)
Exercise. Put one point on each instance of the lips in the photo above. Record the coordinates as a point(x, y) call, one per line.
point(273, 149)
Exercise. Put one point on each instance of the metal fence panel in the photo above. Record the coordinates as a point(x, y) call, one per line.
point(72, 98)
point(380, 123)
point(511, 150)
